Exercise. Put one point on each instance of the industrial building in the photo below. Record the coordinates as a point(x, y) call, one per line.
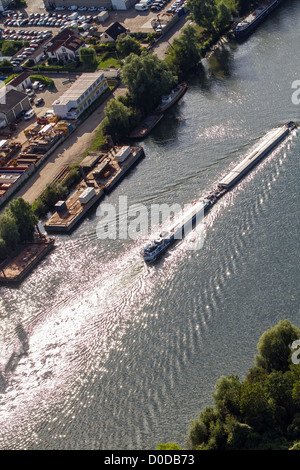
point(86, 89)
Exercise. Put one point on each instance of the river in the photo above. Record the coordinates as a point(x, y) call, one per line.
point(122, 355)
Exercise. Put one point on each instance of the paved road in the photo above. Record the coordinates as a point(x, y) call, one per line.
point(165, 43)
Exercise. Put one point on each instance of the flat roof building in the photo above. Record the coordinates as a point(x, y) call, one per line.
point(86, 89)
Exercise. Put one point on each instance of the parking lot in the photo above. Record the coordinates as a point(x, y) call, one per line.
point(35, 17)
point(48, 96)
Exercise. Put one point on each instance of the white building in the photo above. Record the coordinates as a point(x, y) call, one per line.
point(80, 95)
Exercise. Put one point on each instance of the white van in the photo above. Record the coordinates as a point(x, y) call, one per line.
point(29, 114)
point(146, 2)
point(73, 16)
point(35, 85)
point(141, 7)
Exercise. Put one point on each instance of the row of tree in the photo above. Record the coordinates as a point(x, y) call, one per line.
point(17, 225)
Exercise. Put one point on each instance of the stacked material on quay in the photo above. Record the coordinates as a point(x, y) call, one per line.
point(105, 171)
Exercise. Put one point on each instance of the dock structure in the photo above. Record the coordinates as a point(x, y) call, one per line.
point(103, 177)
point(16, 268)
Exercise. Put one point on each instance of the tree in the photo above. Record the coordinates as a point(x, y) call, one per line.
point(203, 12)
point(147, 79)
point(227, 394)
point(274, 346)
point(24, 216)
point(9, 232)
point(223, 17)
point(3, 249)
point(185, 53)
point(168, 446)
point(8, 49)
point(88, 57)
point(126, 45)
point(118, 118)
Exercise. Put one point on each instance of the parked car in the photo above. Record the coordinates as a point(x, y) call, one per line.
point(39, 102)
point(49, 114)
point(29, 114)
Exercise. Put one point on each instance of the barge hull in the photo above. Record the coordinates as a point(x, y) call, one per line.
point(242, 33)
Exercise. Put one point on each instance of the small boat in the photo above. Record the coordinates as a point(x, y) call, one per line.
point(168, 100)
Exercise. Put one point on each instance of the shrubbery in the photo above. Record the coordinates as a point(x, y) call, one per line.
point(17, 224)
point(261, 412)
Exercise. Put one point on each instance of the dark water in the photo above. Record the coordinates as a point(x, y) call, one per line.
point(123, 355)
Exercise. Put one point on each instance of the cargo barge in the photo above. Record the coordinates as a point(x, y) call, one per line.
point(169, 100)
point(15, 269)
point(156, 248)
point(111, 168)
point(147, 124)
point(247, 25)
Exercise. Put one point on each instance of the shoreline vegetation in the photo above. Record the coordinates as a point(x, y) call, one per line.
point(146, 78)
point(262, 412)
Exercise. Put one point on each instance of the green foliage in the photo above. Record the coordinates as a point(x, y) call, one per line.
point(38, 207)
point(62, 191)
point(118, 118)
point(5, 66)
point(263, 411)
point(147, 79)
point(72, 178)
point(227, 395)
point(50, 197)
point(274, 346)
point(88, 57)
point(3, 249)
point(55, 192)
point(214, 16)
point(296, 446)
point(168, 446)
point(10, 48)
point(25, 219)
point(185, 53)
point(223, 17)
point(9, 233)
point(17, 224)
point(203, 12)
point(126, 45)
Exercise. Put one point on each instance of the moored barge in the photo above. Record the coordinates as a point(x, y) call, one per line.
point(247, 25)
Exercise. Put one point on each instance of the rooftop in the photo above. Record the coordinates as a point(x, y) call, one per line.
point(10, 99)
point(78, 87)
point(19, 79)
